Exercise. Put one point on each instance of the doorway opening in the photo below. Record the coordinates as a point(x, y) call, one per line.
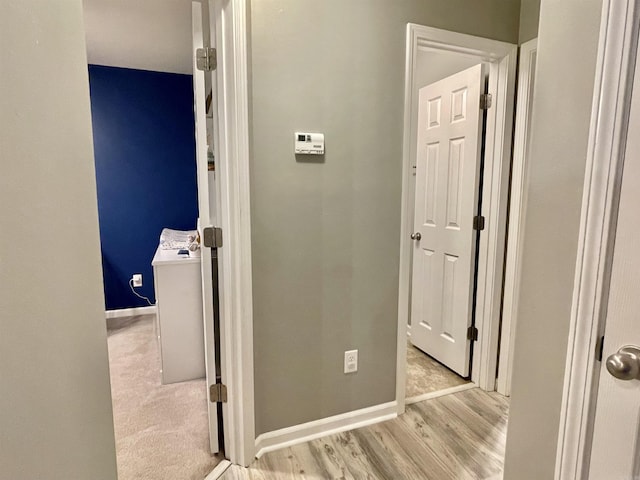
point(447, 188)
point(162, 352)
point(451, 285)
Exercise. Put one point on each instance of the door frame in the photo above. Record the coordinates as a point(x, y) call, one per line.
point(614, 77)
point(230, 21)
point(517, 208)
point(502, 57)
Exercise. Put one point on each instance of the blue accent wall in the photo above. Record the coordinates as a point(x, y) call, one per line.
point(144, 141)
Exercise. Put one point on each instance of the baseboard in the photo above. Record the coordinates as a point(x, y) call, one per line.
point(286, 437)
point(408, 331)
point(219, 470)
point(440, 393)
point(130, 312)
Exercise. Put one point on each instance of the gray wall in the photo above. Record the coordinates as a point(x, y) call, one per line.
point(325, 231)
point(559, 132)
point(433, 66)
point(529, 16)
point(55, 402)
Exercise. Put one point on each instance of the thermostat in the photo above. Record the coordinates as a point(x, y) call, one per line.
point(309, 143)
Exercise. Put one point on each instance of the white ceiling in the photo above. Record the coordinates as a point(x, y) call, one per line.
point(142, 34)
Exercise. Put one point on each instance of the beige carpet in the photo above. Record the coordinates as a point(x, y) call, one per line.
point(426, 375)
point(161, 430)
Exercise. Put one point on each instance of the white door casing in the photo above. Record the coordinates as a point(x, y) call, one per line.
point(446, 199)
point(517, 208)
point(229, 33)
point(500, 58)
point(204, 220)
point(615, 451)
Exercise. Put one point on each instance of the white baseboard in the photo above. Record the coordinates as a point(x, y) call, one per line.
point(440, 393)
point(130, 312)
point(120, 317)
point(286, 437)
point(219, 470)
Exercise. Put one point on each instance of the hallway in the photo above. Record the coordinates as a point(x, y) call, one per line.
point(455, 437)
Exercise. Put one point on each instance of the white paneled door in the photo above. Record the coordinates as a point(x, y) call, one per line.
point(615, 453)
point(205, 219)
point(446, 200)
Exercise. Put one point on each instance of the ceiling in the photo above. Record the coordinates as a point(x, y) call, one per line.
point(141, 34)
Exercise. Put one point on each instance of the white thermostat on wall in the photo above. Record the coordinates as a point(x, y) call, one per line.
point(309, 143)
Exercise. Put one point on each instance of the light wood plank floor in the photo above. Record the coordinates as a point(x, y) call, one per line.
point(455, 437)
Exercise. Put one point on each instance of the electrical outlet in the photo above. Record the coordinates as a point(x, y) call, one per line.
point(137, 279)
point(351, 361)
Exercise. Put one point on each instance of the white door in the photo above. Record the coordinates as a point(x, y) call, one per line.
point(446, 199)
point(615, 453)
point(205, 218)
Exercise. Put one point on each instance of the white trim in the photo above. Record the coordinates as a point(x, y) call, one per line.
point(502, 57)
point(236, 308)
point(305, 432)
point(218, 470)
point(495, 197)
point(607, 138)
point(408, 331)
point(130, 312)
point(440, 393)
point(519, 175)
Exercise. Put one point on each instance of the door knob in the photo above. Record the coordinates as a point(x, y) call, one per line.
point(625, 363)
point(416, 236)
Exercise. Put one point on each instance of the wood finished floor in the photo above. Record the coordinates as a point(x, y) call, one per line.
point(455, 437)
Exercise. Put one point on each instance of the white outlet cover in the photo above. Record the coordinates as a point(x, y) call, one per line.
point(137, 280)
point(351, 361)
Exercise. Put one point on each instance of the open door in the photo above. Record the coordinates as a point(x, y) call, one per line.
point(446, 201)
point(615, 452)
point(205, 223)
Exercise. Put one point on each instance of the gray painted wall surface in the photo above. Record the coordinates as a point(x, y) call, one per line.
point(55, 402)
point(325, 231)
point(433, 66)
point(567, 46)
point(529, 16)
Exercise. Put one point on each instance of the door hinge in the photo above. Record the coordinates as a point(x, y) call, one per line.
point(206, 59)
point(472, 333)
point(212, 237)
point(485, 101)
point(218, 393)
point(600, 349)
point(478, 222)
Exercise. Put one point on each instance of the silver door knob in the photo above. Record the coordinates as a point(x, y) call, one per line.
point(416, 236)
point(625, 363)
